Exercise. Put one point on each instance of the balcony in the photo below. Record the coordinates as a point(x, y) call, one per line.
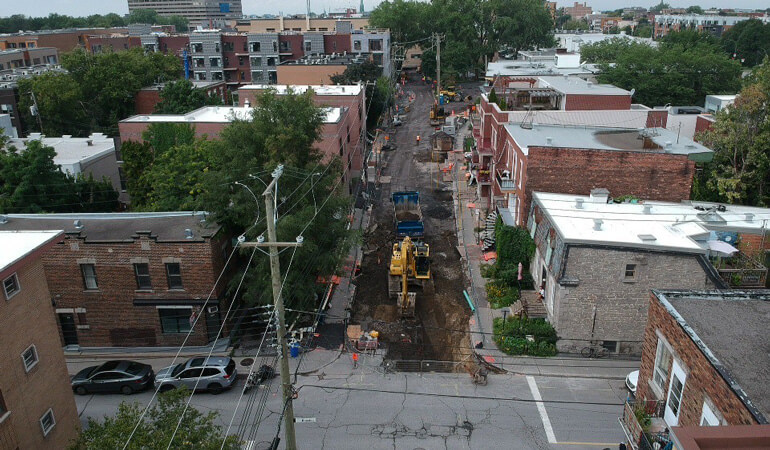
point(643, 424)
point(485, 147)
point(504, 182)
point(483, 175)
point(741, 271)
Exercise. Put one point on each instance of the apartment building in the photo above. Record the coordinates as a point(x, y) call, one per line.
point(37, 408)
point(714, 24)
point(132, 279)
point(19, 58)
point(208, 13)
point(300, 23)
point(64, 40)
point(578, 10)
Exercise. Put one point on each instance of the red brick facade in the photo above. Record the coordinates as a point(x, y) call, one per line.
point(597, 102)
point(702, 379)
point(119, 314)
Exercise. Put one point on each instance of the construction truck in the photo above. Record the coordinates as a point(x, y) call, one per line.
point(408, 214)
point(409, 266)
point(451, 94)
point(437, 115)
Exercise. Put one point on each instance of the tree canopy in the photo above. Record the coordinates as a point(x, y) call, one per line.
point(96, 91)
point(748, 40)
point(474, 30)
point(196, 430)
point(20, 22)
point(181, 97)
point(681, 71)
point(30, 182)
point(740, 138)
point(378, 88)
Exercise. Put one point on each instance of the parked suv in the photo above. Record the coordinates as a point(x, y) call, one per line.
point(216, 373)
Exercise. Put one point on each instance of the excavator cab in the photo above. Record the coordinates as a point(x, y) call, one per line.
point(409, 265)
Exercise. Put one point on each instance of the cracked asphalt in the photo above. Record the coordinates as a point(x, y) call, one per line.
point(367, 408)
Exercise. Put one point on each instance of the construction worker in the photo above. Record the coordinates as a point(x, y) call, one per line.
point(355, 360)
point(418, 140)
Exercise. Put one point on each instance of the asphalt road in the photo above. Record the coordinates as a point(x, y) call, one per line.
point(368, 408)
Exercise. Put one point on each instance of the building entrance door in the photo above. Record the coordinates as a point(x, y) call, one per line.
point(68, 329)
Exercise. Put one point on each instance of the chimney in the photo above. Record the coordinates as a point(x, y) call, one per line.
point(669, 146)
point(749, 217)
point(548, 140)
point(600, 195)
point(78, 224)
point(188, 234)
point(579, 203)
point(598, 224)
point(90, 142)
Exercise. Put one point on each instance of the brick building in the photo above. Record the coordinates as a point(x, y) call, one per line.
point(597, 262)
point(147, 97)
point(705, 359)
point(208, 13)
point(304, 24)
point(19, 58)
point(64, 40)
point(714, 24)
point(133, 279)
point(578, 10)
point(643, 162)
point(341, 133)
point(37, 408)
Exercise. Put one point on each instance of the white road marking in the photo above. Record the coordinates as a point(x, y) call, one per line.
point(541, 409)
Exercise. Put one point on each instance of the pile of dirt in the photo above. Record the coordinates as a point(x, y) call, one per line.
point(407, 216)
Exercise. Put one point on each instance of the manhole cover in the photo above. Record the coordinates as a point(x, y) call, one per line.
point(247, 361)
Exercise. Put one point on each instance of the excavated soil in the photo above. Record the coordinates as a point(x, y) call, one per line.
point(439, 330)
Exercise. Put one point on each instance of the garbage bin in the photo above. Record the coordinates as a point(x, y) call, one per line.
point(294, 349)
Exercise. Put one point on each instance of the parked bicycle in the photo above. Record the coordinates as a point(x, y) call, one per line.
point(594, 351)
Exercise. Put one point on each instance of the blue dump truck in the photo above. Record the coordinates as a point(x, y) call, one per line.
point(406, 206)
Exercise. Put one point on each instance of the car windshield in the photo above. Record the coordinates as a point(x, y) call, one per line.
point(178, 368)
point(109, 365)
point(135, 368)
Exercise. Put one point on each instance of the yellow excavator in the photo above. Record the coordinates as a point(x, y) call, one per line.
point(409, 263)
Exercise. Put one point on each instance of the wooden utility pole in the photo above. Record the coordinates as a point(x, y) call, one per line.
point(438, 64)
point(275, 271)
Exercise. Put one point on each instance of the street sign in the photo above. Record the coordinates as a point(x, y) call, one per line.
point(304, 420)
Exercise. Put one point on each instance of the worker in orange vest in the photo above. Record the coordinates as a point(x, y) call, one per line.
point(355, 360)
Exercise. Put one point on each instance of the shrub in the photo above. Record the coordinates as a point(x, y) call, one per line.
point(510, 336)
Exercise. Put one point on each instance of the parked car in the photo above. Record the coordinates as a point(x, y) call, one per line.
point(631, 380)
point(397, 122)
point(125, 377)
point(216, 373)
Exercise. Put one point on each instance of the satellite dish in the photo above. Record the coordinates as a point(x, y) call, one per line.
point(633, 91)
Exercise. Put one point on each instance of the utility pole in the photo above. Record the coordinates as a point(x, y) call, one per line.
point(438, 64)
point(270, 194)
point(36, 111)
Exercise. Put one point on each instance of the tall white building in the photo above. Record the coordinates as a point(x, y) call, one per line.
point(208, 13)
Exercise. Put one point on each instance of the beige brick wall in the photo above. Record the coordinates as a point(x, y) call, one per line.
point(28, 319)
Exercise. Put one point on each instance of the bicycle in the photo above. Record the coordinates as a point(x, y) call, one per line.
point(594, 351)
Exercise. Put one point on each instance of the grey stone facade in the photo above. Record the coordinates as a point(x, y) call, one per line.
point(590, 297)
point(313, 44)
point(264, 57)
point(206, 52)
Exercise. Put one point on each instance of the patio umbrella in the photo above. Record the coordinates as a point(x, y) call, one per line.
point(722, 247)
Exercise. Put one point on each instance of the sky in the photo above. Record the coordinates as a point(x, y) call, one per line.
point(86, 7)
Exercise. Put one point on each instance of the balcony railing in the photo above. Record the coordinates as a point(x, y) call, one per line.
point(483, 175)
point(643, 424)
point(504, 182)
point(741, 271)
point(485, 146)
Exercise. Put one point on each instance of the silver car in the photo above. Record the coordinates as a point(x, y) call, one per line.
point(216, 374)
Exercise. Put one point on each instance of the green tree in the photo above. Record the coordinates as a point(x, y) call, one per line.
point(181, 97)
point(30, 182)
point(677, 72)
point(378, 88)
point(576, 25)
point(748, 40)
point(608, 50)
point(740, 138)
point(644, 31)
point(97, 91)
point(695, 9)
point(408, 20)
point(157, 427)
point(660, 7)
point(283, 130)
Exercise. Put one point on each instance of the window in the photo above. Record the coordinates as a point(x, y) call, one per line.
point(174, 276)
point(375, 45)
point(3, 408)
point(357, 45)
point(29, 357)
point(175, 320)
point(256, 61)
point(240, 60)
point(630, 272)
point(228, 46)
point(308, 46)
point(275, 46)
point(611, 346)
point(216, 48)
point(709, 417)
point(216, 76)
point(89, 276)
point(271, 61)
point(214, 62)
point(662, 366)
point(47, 422)
point(11, 286)
point(285, 46)
point(196, 48)
point(255, 46)
point(675, 395)
point(142, 271)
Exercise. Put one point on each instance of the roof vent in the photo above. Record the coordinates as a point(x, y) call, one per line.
point(90, 142)
point(3, 219)
point(647, 237)
point(647, 209)
point(549, 140)
point(579, 203)
point(749, 217)
point(188, 234)
point(669, 146)
point(78, 224)
point(598, 224)
point(247, 103)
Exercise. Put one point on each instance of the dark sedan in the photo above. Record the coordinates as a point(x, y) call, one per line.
point(125, 377)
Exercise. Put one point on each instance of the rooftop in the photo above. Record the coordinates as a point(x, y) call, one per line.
point(579, 86)
point(335, 59)
point(18, 244)
point(118, 227)
point(282, 89)
point(740, 353)
point(218, 114)
point(534, 68)
point(683, 226)
point(71, 150)
point(199, 84)
point(647, 140)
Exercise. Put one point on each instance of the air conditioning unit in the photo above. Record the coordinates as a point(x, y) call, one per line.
point(212, 309)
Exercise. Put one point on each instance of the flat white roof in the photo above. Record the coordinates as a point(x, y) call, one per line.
point(657, 140)
point(71, 150)
point(18, 244)
point(510, 67)
point(723, 97)
point(282, 89)
point(674, 226)
point(218, 114)
point(579, 86)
